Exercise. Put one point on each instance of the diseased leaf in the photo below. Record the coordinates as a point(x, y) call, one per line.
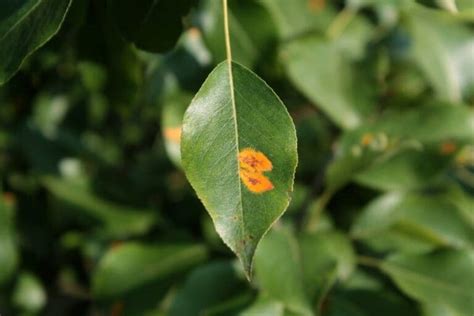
point(27, 28)
point(238, 151)
point(151, 25)
point(444, 277)
point(131, 265)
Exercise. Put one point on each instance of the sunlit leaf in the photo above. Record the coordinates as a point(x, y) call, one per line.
point(238, 150)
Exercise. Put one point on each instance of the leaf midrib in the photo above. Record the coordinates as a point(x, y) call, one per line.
point(237, 143)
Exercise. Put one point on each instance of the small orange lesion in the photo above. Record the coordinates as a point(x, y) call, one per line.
point(173, 134)
point(367, 139)
point(252, 165)
point(447, 148)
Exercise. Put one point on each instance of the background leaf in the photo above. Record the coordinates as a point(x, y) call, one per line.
point(444, 277)
point(26, 29)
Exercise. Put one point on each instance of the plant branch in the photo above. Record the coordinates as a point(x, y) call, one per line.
point(341, 21)
point(314, 214)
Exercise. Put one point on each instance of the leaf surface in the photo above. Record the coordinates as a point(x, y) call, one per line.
point(131, 265)
point(238, 151)
point(443, 47)
point(444, 277)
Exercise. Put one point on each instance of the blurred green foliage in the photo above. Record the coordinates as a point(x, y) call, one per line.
point(97, 218)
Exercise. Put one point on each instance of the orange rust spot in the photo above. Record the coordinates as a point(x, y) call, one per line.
point(194, 32)
point(173, 134)
point(316, 5)
point(367, 139)
point(252, 165)
point(447, 148)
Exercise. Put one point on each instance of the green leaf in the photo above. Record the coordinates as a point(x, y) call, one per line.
point(8, 251)
point(207, 287)
point(366, 294)
point(117, 220)
point(153, 26)
point(442, 47)
point(131, 265)
point(323, 74)
point(296, 17)
point(264, 306)
point(444, 277)
point(325, 258)
point(278, 270)
point(396, 152)
point(414, 223)
point(242, 118)
point(27, 28)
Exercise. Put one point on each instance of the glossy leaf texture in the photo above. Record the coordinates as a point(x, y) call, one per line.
point(444, 277)
point(238, 151)
point(25, 29)
point(153, 26)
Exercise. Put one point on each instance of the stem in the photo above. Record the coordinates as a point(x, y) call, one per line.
point(369, 261)
point(315, 213)
point(341, 21)
point(227, 33)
